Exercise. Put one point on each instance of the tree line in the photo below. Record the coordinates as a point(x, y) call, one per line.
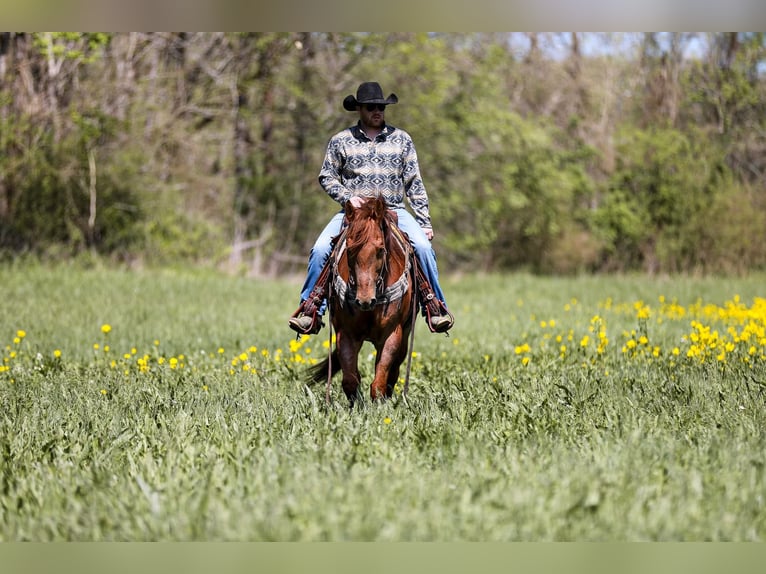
point(538, 151)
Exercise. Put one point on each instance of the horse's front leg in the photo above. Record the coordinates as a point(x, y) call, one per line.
point(348, 355)
point(389, 358)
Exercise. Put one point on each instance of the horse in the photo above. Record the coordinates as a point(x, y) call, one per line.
point(371, 298)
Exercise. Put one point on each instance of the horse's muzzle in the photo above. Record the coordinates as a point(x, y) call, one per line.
point(365, 305)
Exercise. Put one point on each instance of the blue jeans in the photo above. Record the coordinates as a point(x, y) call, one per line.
point(423, 251)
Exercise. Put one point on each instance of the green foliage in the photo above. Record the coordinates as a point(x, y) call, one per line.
point(148, 427)
point(661, 190)
point(172, 237)
point(624, 225)
point(51, 204)
point(73, 46)
point(725, 236)
point(556, 165)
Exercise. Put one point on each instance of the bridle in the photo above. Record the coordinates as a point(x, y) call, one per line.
point(379, 280)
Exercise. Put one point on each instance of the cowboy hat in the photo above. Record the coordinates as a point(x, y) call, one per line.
point(368, 93)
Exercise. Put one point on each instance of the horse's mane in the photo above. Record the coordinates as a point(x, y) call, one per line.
point(368, 219)
point(364, 224)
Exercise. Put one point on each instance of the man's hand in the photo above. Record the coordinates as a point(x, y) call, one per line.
point(356, 201)
point(429, 233)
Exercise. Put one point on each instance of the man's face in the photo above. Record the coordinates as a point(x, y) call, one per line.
point(373, 115)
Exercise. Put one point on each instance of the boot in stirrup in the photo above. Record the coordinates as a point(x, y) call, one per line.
point(306, 320)
point(305, 324)
point(438, 318)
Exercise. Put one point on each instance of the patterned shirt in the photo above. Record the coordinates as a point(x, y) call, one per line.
point(356, 165)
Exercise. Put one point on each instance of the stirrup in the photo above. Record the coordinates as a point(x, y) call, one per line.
point(441, 326)
point(435, 308)
point(307, 308)
point(313, 328)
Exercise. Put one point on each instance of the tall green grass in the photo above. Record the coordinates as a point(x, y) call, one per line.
point(485, 448)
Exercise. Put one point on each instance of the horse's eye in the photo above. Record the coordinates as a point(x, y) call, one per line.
point(381, 252)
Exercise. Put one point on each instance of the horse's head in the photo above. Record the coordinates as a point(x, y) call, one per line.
point(366, 250)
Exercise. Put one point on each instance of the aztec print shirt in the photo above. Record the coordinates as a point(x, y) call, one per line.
point(356, 165)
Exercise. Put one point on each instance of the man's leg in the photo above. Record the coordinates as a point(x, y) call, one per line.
point(311, 322)
point(436, 312)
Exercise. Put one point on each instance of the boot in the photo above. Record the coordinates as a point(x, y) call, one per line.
point(438, 318)
point(441, 323)
point(304, 324)
point(307, 320)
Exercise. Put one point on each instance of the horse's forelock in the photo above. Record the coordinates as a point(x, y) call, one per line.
point(364, 222)
point(372, 207)
point(361, 231)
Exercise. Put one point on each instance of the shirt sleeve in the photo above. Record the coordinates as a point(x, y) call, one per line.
point(330, 174)
point(414, 187)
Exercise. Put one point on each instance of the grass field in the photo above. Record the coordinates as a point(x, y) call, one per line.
point(169, 405)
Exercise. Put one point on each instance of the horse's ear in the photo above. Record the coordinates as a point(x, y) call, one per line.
point(349, 210)
point(380, 208)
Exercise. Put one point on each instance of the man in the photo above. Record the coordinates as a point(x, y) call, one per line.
point(365, 160)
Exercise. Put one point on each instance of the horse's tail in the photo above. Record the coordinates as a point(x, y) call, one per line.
point(318, 372)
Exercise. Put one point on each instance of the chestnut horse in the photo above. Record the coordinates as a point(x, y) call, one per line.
point(371, 298)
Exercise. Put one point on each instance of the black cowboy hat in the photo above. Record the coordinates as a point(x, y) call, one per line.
point(368, 93)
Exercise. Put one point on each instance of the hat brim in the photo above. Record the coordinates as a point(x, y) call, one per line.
point(350, 102)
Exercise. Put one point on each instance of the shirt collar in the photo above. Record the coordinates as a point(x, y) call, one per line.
point(359, 134)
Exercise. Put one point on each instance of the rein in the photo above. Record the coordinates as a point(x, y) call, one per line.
point(329, 346)
point(412, 330)
point(410, 255)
